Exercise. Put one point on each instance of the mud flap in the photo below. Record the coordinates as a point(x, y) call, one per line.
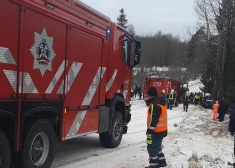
point(125, 128)
point(104, 119)
point(128, 118)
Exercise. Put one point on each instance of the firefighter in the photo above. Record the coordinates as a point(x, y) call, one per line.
point(186, 101)
point(171, 99)
point(196, 98)
point(222, 109)
point(231, 127)
point(156, 129)
point(132, 92)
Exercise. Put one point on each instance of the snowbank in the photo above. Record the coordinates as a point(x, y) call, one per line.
point(199, 142)
point(196, 142)
point(194, 86)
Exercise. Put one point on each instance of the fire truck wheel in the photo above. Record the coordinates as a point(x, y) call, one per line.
point(39, 145)
point(114, 139)
point(5, 151)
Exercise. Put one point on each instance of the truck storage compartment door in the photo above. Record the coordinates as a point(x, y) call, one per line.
point(146, 87)
point(43, 54)
point(84, 74)
point(157, 83)
point(9, 36)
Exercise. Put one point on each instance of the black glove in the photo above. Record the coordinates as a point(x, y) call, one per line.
point(149, 131)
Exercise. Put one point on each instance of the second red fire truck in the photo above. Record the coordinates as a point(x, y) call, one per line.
point(162, 84)
point(66, 71)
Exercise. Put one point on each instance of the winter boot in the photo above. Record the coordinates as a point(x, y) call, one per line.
point(163, 165)
point(184, 108)
point(152, 167)
point(162, 159)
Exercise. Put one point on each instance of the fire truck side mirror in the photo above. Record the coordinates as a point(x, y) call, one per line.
point(136, 57)
point(137, 53)
point(137, 45)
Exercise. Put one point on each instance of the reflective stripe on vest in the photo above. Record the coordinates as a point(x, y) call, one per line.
point(162, 123)
point(171, 96)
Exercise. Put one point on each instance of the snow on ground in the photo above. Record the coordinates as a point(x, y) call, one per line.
point(194, 86)
point(196, 142)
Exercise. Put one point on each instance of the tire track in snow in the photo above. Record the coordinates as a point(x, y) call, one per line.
point(95, 154)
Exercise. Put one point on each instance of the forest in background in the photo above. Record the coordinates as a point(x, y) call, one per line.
point(209, 54)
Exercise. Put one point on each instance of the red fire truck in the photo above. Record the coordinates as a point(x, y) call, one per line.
point(160, 84)
point(66, 71)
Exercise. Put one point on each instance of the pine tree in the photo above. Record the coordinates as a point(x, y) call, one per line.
point(122, 21)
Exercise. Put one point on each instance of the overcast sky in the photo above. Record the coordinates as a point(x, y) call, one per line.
point(169, 16)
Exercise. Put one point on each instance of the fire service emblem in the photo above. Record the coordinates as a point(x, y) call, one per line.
point(43, 52)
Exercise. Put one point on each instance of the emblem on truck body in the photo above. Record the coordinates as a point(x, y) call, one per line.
point(43, 52)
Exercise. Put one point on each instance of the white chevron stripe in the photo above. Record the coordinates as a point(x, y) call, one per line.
point(6, 56)
point(56, 78)
point(28, 84)
point(93, 87)
point(12, 78)
point(72, 74)
point(87, 100)
point(110, 83)
point(125, 92)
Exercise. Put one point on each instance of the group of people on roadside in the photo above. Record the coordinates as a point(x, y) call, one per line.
point(157, 124)
point(136, 89)
point(220, 108)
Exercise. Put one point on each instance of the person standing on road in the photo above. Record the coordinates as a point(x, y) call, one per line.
point(164, 96)
point(231, 127)
point(222, 109)
point(186, 101)
point(140, 92)
point(156, 129)
point(196, 99)
point(216, 108)
point(171, 99)
point(232, 120)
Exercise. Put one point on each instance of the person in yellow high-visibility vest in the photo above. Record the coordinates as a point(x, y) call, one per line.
point(171, 99)
point(156, 129)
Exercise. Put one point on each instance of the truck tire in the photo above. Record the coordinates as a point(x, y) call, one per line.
point(114, 139)
point(39, 145)
point(5, 151)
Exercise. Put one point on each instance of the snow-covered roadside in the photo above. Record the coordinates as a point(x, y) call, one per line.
point(196, 142)
point(199, 142)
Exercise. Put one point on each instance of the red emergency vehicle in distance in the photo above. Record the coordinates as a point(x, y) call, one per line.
point(161, 84)
point(66, 71)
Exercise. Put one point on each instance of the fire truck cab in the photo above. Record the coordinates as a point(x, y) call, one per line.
point(66, 71)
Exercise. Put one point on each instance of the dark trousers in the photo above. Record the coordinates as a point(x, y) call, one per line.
point(156, 156)
point(140, 95)
point(186, 106)
point(171, 103)
point(221, 117)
